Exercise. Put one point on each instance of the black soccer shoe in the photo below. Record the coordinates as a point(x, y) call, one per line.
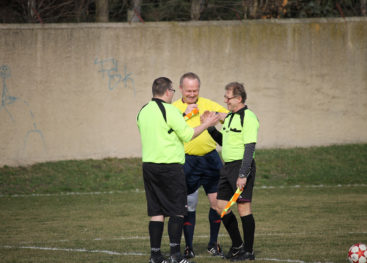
point(158, 259)
point(235, 252)
point(215, 250)
point(178, 258)
point(246, 256)
point(189, 253)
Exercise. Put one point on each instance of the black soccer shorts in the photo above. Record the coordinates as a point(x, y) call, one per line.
point(165, 189)
point(228, 178)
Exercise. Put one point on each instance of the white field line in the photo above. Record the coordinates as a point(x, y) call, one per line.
point(75, 193)
point(311, 186)
point(116, 238)
point(166, 237)
point(83, 250)
point(78, 250)
point(142, 191)
point(196, 237)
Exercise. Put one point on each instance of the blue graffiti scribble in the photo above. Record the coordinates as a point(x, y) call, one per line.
point(34, 130)
point(6, 100)
point(110, 67)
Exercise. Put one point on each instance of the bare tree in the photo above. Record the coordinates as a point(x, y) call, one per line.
point(363, 8)
point(43, 11)
point(197, 6)
point(32, 8)
point(61, 11)
point(133, 13)
point(272, 8)
point(249, 8)
point(102, 11)
point(79, 9)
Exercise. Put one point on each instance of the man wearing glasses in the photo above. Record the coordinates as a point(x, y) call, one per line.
point(238, 138)
point(202, 162)
point(163, 131)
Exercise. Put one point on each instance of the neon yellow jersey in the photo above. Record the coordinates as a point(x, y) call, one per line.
point(204, 143)
point(235, 135)
point(162, 141)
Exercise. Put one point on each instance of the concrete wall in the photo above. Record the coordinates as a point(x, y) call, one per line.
point(72, 91)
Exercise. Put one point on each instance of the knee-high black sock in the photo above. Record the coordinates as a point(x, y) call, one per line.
point(214, 221)
point(248, 224)
point(175, 224)
point(189, 228)
point(155, 233)
point(231, 224)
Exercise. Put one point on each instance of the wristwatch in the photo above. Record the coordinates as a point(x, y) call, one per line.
point(242, 176)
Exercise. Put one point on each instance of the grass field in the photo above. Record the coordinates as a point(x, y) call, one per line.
point(310, 205)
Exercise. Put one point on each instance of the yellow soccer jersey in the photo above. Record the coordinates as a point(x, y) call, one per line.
point(204, 143)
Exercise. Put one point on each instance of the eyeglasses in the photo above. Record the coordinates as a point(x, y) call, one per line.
point(173, 90)
point(229, 98)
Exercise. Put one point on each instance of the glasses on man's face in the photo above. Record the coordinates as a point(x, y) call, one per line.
point(229, 98)
point(173, 90)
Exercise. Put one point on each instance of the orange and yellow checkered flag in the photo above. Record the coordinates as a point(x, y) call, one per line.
point(232, 201)
point(191, 114)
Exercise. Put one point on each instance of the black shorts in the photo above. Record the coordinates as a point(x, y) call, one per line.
point(228, 178)
point(202, 171)
point(165, 189)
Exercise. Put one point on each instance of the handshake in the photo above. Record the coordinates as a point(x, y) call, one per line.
point(209, 118)
point(208, 115)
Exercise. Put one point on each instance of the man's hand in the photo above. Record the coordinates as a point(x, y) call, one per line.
point(241, 182)
point(190, 107)
point(222, 115)
point(209, 117)
point(204, 116)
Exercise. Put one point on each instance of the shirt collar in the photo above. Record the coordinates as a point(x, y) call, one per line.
point(159, 100)
point(240, 111)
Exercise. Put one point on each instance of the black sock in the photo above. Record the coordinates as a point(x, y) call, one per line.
point(231, 224)
point(175, 224)
point(248, 224)
point(155, 233)
point(214, 221)
point(189, 228)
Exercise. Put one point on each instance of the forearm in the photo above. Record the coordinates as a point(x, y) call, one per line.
point(216, 135)
point(211, 119)
point(245, 169)
point(199, 129)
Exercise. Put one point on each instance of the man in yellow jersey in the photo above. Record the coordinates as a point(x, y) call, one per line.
point(163, 131)
point(202, 162)
point(238, 138)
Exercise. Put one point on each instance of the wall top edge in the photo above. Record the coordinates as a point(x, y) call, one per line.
point(188, 23)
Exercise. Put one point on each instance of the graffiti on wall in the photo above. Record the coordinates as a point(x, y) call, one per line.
point(8, 101)
point(110, 67)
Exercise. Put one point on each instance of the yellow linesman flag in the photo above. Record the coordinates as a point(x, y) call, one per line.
point(232, 201)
